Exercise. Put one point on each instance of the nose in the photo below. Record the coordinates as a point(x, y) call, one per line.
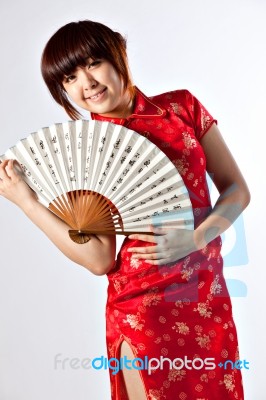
point(87, 80)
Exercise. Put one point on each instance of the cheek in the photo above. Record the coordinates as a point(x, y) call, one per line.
point(73, 94)
point(119, 87)
point(115, 80)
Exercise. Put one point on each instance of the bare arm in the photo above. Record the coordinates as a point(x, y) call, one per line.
point(234, 194)
point(98, 255)
point(234, 197)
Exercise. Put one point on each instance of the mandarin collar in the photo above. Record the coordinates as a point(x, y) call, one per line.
point(143, 108)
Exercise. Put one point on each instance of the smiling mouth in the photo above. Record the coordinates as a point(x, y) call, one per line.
point(97, 96)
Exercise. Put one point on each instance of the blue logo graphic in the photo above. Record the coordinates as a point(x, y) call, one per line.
point(234, 253)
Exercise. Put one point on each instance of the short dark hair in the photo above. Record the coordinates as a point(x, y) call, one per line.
point(69, 48)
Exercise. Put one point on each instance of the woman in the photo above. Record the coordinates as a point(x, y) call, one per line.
point(167, 296)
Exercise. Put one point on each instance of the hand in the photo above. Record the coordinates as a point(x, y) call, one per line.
point(168, 245)
point(13, 187)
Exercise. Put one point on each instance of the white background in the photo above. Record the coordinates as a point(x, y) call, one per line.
point(48, 305)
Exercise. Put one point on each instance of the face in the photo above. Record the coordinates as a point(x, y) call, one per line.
point(98, 88)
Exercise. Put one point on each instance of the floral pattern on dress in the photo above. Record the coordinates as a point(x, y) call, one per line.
point(134, 321)
point(204, 341)
point(152, 298)
point(189, 142)
point(176, 375)
point(177, 108)
point(181, 327)
point(228, 382)
point(182, 165)
point(216, 288)
point(204, 309)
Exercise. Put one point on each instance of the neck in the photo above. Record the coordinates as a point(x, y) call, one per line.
point(126, 107)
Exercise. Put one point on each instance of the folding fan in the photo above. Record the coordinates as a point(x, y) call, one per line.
point(102, 178)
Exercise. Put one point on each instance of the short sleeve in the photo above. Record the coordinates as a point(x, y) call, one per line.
point(201, 118)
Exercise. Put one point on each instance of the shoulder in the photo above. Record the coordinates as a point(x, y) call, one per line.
point(186, 106)
point(179, 101)
point(179, 95)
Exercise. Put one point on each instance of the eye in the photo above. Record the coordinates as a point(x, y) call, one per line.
point(69, 78)
point(93, 63)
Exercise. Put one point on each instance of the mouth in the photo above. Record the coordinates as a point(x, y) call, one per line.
point(97, 96)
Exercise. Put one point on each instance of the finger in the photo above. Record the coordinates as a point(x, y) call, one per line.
point(3, 172)
point(162, 261)
point(2, 163)
point(11, 172)
point(143, 237)
point(142, 250)
point(149, 256)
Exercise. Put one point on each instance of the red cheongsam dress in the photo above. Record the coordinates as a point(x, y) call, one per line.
point(181, 311)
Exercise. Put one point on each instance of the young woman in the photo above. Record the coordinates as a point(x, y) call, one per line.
point(167, 297)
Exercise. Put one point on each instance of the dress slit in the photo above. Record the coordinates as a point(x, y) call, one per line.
point(120, 389)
